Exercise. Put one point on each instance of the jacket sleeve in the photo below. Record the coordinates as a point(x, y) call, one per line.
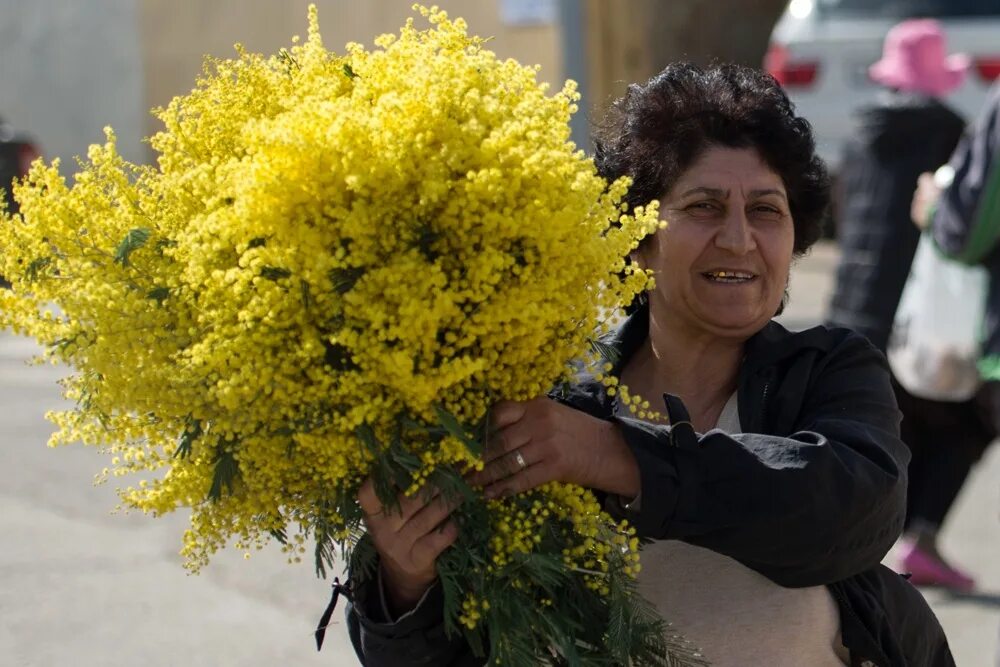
point(966, 222)
point(415, 639)
point(810, 508)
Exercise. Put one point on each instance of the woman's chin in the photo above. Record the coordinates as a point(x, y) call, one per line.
point(730, 323)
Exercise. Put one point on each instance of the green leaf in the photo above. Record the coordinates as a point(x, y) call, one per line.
point(307, 299)
point(162, 244)
point(36, 267)
point(134, 240)
point(343, 280)
point(285, 56)
point(159, 294)
point(367, 437)
point(404, 458)
point(65, 343)
point(274, 273)
point(406, 423)
point(324, 554)
point(451, 424)
point(605, 351)
point(227, 469)
point(364, 559)
point(192, 431)
point(349, 71)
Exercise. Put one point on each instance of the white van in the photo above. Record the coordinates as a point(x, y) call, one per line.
point(821, 49)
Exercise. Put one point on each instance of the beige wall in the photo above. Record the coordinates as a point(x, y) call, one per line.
point(617, 52)
point(175, 34)
point(67, 69)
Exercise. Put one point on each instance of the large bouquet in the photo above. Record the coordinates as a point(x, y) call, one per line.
point(336, 267)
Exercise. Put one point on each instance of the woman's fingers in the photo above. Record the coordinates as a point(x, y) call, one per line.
point(430, 546)
point(529, 478)
point(427, 519)
point(506, 440)
point(368, 500)
point(511, 463)
point(505, 413)
point(409, 540)
point(377, 516)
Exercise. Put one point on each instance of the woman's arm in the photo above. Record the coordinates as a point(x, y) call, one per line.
point(415, 638)
point(815, 506)
point(397, 619)
point(966, 223)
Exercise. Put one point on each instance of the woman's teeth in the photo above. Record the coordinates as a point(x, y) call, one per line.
point(729, 276)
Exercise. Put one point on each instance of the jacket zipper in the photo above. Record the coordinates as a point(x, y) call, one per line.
point(762, 411)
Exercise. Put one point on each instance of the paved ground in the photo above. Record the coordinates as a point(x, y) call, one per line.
point(81, 587)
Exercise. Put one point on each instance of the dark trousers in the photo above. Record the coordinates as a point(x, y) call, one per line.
point(945, 440)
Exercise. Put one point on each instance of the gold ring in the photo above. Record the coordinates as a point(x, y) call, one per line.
point(520, 459)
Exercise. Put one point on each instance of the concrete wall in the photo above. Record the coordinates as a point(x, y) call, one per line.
point(67, 69)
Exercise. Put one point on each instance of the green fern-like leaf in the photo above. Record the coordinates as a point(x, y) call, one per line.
point(135, 239)
point(158, 294)
point(274, 273)
point(226, 471)
point(192, 431)
point(605, 351)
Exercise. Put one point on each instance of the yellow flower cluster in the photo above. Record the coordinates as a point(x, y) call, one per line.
point(329, 250)
point(472, 608)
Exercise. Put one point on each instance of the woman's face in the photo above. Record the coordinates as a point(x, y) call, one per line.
point(722, 262)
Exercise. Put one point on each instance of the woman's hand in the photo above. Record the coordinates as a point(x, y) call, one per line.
point(408, 542)
point(541, 441)
point(924, 198)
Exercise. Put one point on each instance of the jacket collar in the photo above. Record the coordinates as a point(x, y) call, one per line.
point(769, 346)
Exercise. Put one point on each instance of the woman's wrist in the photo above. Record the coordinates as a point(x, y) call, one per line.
point(400, 593)
point(618, 472)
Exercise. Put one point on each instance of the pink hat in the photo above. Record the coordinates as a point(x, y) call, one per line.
point(914, 60)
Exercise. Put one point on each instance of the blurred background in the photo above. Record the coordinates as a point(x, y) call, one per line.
point(80, 587)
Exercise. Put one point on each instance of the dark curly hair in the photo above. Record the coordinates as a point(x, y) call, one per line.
point(659, 129)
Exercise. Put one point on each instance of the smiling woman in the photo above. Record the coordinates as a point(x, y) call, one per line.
point(724, 257)
point(774, 481)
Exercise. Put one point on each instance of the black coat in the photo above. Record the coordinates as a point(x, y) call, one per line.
point(893, 144)
point(812, 494)
point(966, 223)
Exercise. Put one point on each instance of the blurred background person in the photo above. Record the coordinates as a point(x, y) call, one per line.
point(962, 213)
point(909, 130)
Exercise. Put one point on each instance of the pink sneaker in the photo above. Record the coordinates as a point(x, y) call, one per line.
point(927, 570)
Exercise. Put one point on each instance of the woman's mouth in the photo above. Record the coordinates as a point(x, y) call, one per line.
point(729, 276)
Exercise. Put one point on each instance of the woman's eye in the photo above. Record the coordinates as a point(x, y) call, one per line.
point(768, 212)
point(702, 208)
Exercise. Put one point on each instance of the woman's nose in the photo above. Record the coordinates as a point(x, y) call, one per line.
point(735, 234)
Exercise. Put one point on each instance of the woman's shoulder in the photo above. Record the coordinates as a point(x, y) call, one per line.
point(775, 343)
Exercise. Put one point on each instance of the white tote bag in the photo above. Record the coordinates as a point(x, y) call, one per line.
point(935, 340)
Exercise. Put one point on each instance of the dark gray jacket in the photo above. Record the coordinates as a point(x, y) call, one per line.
point(812, 494)
point(966, 223)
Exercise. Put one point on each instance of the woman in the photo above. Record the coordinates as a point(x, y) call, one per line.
point(909, 130)
point(778, 483)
